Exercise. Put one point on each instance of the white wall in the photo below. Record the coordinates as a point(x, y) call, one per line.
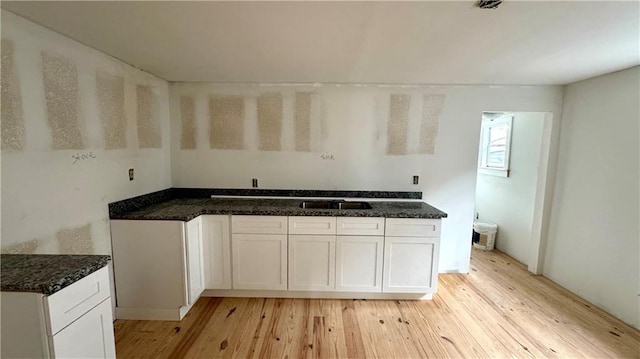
point(351, 122)
point(509, 201)
point(593, 245)
point(50, 204)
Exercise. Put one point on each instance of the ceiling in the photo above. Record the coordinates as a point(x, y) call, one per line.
point(446, 42)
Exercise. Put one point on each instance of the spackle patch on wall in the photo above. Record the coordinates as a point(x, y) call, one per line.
point(11, 110)
point(60, 77)
point(28, 247)
point(270, 121)
point(149, 135)
point(431, 109)
point(110, 92)
point(398, 124)
point(75, 240)
point(188, 116)
point(226, 122)
point(302, 121)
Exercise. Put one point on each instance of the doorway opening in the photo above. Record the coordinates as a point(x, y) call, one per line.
point(511, 183)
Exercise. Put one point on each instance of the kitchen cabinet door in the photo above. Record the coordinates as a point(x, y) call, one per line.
point(410, 264)
point(216, 244)
point(90, 336)
point(359, 263)
point(195, 273)
point(259, 261)
point(312, 262)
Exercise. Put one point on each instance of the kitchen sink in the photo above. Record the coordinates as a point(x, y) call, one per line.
point(334, 205)
point(316, 204)
point(353, 205)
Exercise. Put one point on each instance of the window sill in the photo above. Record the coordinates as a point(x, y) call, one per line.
point(493, 172)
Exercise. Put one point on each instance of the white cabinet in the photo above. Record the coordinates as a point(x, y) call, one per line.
point(360, 226)
point(312, 262)
point(216, 243)
point(75, 322)
point(312, 253)
point(359, 263)
point(312, 225)
point(157, 268)
point(259, 251)
point(411, 253)
point(91, 336)
point(259, 224)
point(195, 269)
point(359, 253)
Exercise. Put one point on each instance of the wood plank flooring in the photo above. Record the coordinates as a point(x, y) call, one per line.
point(498, 310)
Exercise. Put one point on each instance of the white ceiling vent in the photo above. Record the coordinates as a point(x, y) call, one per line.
point(489, 4)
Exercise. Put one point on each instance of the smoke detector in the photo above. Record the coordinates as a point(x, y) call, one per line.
point(489, 4)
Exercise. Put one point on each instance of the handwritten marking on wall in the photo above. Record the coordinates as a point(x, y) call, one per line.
point(226, 122)
point(327, 157)
point(110, 92)
point(75, 240)
point(302, 121)
point(12, 125)
point(60, 77)
point(188, 116)
point(398, 124)
point(149, 135)
point(270, 121)
point(432, 106)
point(82, 156)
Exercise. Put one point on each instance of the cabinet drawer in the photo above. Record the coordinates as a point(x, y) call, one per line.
point(73, 301)
point(412, 227)
point(312, 225)
point(361, 226)
point(259, 224)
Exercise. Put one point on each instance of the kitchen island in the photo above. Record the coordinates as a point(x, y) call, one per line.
point(173, 246)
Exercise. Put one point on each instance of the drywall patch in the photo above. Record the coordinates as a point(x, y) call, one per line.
point(398, 124)
point(110, 92)
point(75, 240)
point(302, 121)
point(226, 122)
point(270, 121)
point(11, 106)
point(431, 109)
point(148, 125)
point(28, 247)
point(60, 77)
point(188, 116)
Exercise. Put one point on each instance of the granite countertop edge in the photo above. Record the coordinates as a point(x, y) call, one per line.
point(46, 273)
point(188, 209)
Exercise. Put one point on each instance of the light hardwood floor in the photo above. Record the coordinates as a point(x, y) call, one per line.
point(498, 310)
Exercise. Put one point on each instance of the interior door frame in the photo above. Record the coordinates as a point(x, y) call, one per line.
point(543, 192)
point(542, 200)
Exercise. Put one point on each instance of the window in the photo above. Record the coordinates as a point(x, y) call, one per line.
point(495, 142)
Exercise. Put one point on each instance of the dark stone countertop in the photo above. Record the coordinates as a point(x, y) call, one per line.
point(46, 273)
point(185, 209)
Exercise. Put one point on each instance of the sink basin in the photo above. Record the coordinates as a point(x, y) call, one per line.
point(353, 205)
point(334, 205)
point(316, 204)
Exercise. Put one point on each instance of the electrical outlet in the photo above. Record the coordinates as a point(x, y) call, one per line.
point(416, 179)
point(131, 174)
point(254, 183)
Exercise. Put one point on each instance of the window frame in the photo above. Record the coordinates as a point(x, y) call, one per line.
point(487, 124)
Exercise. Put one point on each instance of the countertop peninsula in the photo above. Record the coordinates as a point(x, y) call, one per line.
point(46, 273)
